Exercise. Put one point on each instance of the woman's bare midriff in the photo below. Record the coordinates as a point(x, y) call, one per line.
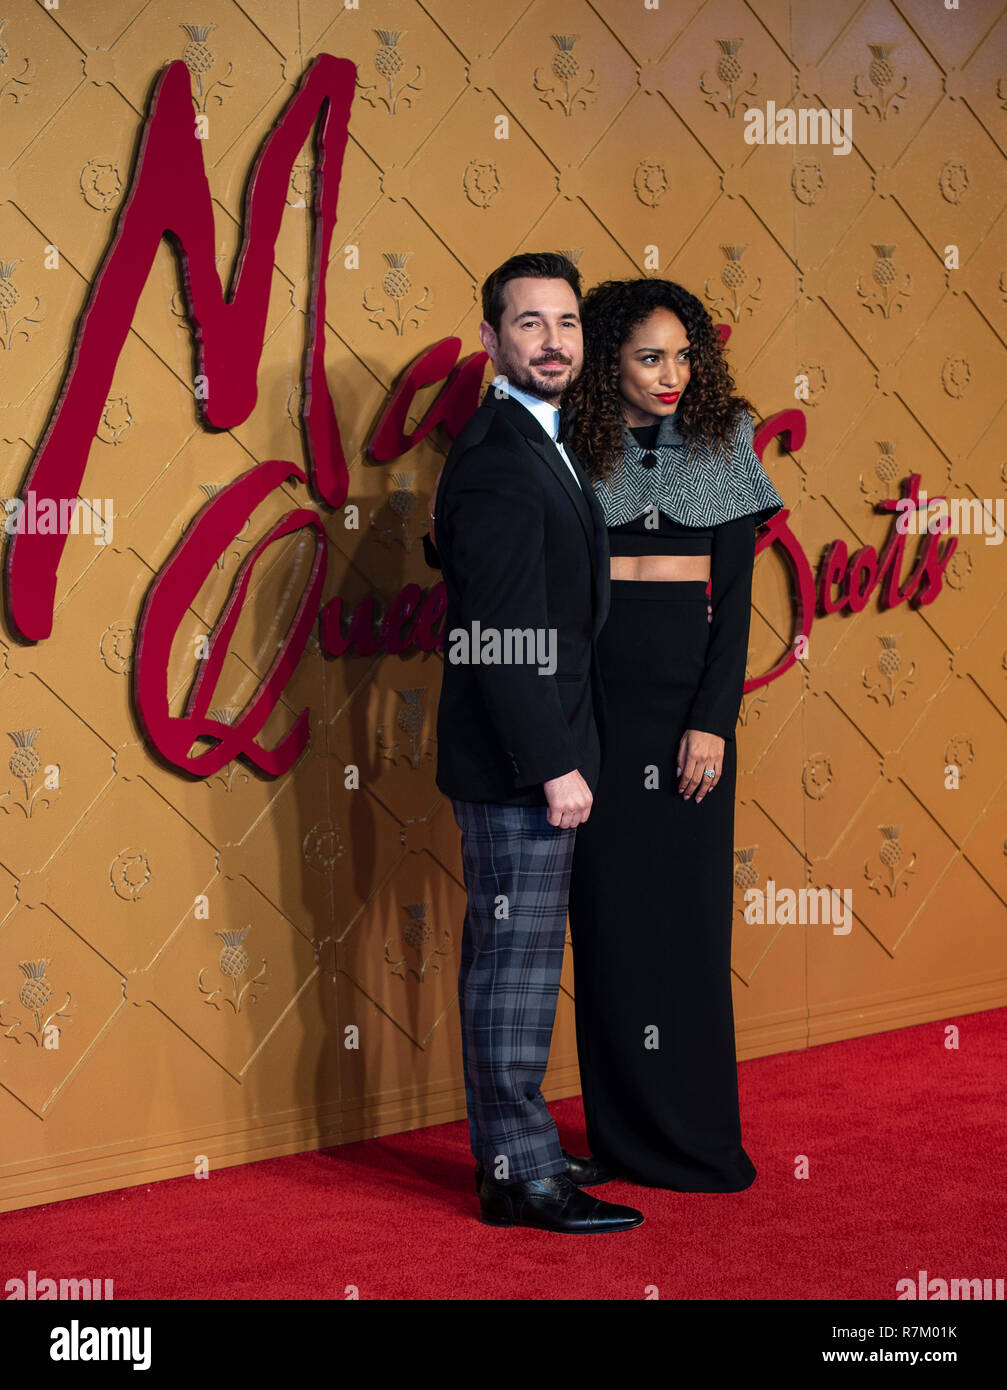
point(660, 567)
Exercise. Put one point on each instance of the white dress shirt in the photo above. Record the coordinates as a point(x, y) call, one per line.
point(547, 415)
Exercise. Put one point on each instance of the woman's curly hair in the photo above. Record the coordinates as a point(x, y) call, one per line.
point(708, 408)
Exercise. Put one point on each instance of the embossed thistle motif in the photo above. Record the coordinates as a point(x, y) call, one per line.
point(953, 181)
point(956, 376)
point(730, 74)
point(25, 764)
point(886, 470)
point(101, 185)
point(115, 647)
point(12, 84)
point(116, 421)
point(481, 182)
point(960, 754)
point(746, 875)
point(322, 846)
point(734, 277)
point(410, 720)
point(416, 934)
point(807, 181)
point(880, 96)
point(885, 298)
point(232, 963)
point(389, 63)
point(650, 182)
point(398, 287)
point(402, 503)
point(10, 295)
point(210, 491)
point(889, 664)
point(225, 714)
point(566, 69)
point(890, 855)
point(198, 58)
point(34, 995)
point(816, 777)
point(129, 874)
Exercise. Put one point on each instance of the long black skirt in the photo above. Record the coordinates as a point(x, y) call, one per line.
point(651, 902)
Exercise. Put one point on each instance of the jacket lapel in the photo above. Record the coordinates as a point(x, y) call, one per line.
point(601, 552)
point(583, 498)
point(546, 449)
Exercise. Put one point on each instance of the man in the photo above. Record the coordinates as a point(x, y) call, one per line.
point(523, 549)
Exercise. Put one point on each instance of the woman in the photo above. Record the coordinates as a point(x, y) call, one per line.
point(668, 447)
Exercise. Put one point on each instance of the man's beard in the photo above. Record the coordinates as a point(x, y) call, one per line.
point(523, 379)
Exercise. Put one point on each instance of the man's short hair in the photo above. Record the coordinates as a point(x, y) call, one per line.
point(537, 265)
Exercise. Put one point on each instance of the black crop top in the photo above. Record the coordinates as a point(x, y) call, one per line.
point(660, 535)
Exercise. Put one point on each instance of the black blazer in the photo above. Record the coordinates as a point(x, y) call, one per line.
point(520, 547)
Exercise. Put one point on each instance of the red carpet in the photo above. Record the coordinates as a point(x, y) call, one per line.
point(905, 1143)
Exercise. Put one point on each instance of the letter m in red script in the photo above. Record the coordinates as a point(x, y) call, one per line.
point(170, 194)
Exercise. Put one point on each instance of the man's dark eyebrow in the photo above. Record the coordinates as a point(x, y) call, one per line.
point(537, 314)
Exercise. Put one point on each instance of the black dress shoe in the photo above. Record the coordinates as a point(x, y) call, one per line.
point(582, 1172)
point(552, 1204)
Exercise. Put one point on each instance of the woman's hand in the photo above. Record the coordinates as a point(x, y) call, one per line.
point(696, 752)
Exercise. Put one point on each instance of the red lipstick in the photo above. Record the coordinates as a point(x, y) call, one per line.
point(670, 397)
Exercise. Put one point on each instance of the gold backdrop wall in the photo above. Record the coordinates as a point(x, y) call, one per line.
point(342, 907)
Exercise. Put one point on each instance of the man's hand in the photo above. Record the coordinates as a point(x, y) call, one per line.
point(569, 799)
point(696, 752)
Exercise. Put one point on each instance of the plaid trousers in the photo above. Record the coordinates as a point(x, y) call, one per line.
point(517, 876)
